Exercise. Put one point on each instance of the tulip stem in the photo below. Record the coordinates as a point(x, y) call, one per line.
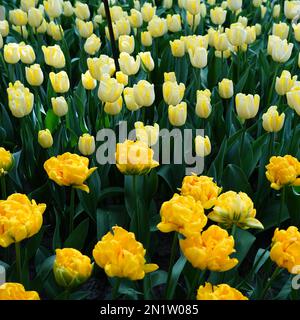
point(282, 199)
point(242, 145)
point(3, 187)
point(172, 260)
point(72, 210)
point(197, 280)
point(18, 261)
point(269, 283)
point(116, 288)
point(272, 85)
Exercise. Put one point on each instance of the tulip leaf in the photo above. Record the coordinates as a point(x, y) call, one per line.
point(292, 201)
point(77, 238)
point(243, 242)
point(51, 120)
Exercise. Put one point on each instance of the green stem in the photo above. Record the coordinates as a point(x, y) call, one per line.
point(269, 283)
point(3, 187)
point(116, 288)
point(198, 279)
point(72, 210)
point(136, 210)
point(172, 260)
point(18, 261)
point(242, 144)
point(282, 199)
point(272, 85)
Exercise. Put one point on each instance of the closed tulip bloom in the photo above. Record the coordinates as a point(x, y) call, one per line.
point(60, 106)
point(192, 6)
point(128, 64)
point(276, 11)
point(258, 29)
point(88, 82)
point(296, 28)
point(54, 56)
point(256, 3)
point(16, 291)
point(170, 76)
point(69, 170)
point(85, 29)
point(68, 9)
point(6, 161)
point(43, 27)
point(34, 75)
point(291, 9)
point(210, 250)
point(22, 31)
point(221, 42)
point(236, 34)
point(12, 53)
point(53, 8)
point(247, 105)
point(283, 171)
point(92, 45)
point(234, 5)
point(243, 21)
point(27, 4)
point(167, 4)
point(18, 17)
point(226, 88)
point(146, 38)
point(202, 146)
point(135, 18)
point(148, 11)
point(20, 218)
point(20, 100)
point(177, 114)
point(198, 57)
point(27, 54)
point(157, 27)
point(86, 144)
point(285, 249)
point(219, 292)
point(182, 214)
point(60, 82)
point(202, 189)
point(122, 256)
point(293, 98)
point(174, 22)
point(177, 48)
point(55, 31)
point(218, 15)
point(147, 60)
point(115, 31)
point(173, 92)
point(126, 44)
point(123, 26)
point(281, 30)
point(251, 35)
point(114, 108)
point(281, 50)
point(284, 83)
point(45, 139)
point(193, 21)
point(122, 78)
point(203, 106)
point(116, 13)
point(144, 94)
point(272, 121)
point(110, 90)
point(71, 268)
point(35, 17)
point(147, 134)
point(129, 99)
point(82, 10)
point(100, 66)
point(4, 28)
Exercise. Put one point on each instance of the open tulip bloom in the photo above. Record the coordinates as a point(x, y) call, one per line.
point(150, 147)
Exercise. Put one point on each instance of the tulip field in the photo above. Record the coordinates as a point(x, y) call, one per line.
point(199, 199)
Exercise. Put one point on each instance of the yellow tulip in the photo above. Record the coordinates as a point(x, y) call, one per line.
point(53, 8)
point(251, 35)
point(247, 105)
point(234, 5)
point(146, 38)
point(258, 29)
point(26, 5)
point(116, 13)
point(100, 66)
point(177, 114)
point(147, 134)
point(60, 106)
point(256, 3)
point(243, 21)
point(92, 45)
point(170, 76)
point(225, 88)
point(110, 90)
point(34, 75)
point(86, 144)
point(237, 34)
point(147, 60)
point(293, 98)
point(68, 9)
point(16, 291)
point(115, 31)
point(114, 108)
point(12, 53)
point(296, 28)
point(157, 27)
point(55, 31)
point(276, 11)
point(203, 106)
point(129, 99)
point(280, 50)
point(174, 22)
point(85, 29)
point(192, 6)
point(35, 17)
point(27, 54)
point(177, 48)
point(123, 26)
point(272, 121)
point(18, 17)
point(122, 78)
point(143, 93)
point(218, 15)
point(128, 64)
point(43, 27)
point(60, 81)
point(291, 9)
point(284, 83)
point(198, 57)
point(280, 30)
point(167, 4)
point(220, 42)
point(126, 44)
point(202, 146)
point(45, 139)
point(82, 10)
point(148, 11)
point(135, 18)
point(219, 292)
point(6, 161)
point(4, 28)
point(88, 82)
point(193, 21)
point(173, 92)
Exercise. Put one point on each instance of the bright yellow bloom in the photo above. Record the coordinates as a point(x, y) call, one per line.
point(16, 291)
point(92, 45)
point(272, 121)
point(147, 134)
point(128, 64)
point(173, 92)
point(177, 114)
point(218, 15)
point(43, 27)
point(122, 256)
point(284, 83)
point(235, 208)
point(110, 89)
point(18, 17)
point(177, 48)
point(285, 249)
point(126, 44)
point(182, 214)
point(134, 158)
point(20, 218)
point(45, 139)
point(144, 94)
point(12, 53)
point(203, 106)
point(86, 144)
point(53, 30)
point(148, 11)
point(69, 170)
point(282, 171)
point(210, 250)
point(147, 60)
point(71, 268)
point(157, 27)
point(60, 106)
point(100, 66)
point(202, 146)
point(20, 100)
point(88, 82)
point(114, 108)
point(85, 29)
point(82, 10)
point(202, 189)
point(34, 75)
point(60, 81)
point(293, 98)
point(247, 105)
point(6, 161)
point(280, 30)
point(226, 88)
point(219, 292)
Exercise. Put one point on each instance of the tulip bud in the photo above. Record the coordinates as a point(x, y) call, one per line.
point(12, 53)
point(243, 21)
point(18, 17)
point(129, 99)
point(234, 5)
point(198, 57)
point(110, 89)
point(126, 44)
point(68, 9)
point(82, 11)
point(276, 11)
point(88, 82)
point(280, 30)
point(53, 8)
point(35, 17)
point(55, 31)
point(85, 29)
point(284, 83)
point(178, 114)
point(45, 139)
point(4, 28)
point(146, 38)
point(192, 6)
point(60, 82)
point(60, 106)
point(43, 27)
point(272, 121)
point(157, 27)
point(203, 106)
point(170, 76)
point(6, 161)
point(226, 88)
point(34, 75)
point(293, 98)
point(258, 29)
point(135, 18)
point(27, 54)
point(86, 144)
point(147, 60)
point(54, 56)
point(128, 65)
point(92, 45)
point(263, 10)
point(147, 134)
point(177, 48)
point(173, 93)
point(122, 78)
point(174, 22)
point(296, 28)
point(247, 105)
point(123, 26)
point(218, 15)
point(114, 108)
point(202, 146)
point(236, 34)
point(144, 94)
point(193, 21)
point(26, 5)
point(148, 11)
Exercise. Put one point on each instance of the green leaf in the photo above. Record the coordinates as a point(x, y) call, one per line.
point(77, 238)
point(51, 120)
point(243, 242)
